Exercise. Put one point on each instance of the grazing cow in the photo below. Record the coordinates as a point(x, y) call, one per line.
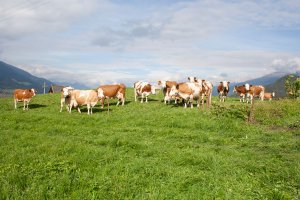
point(24, 95)
point(65, 97)
point(113, 91)
point(207, 88)
point(187, 91)
point(85, 97)
point(223, 90)
point(143, 89)
point(166, 85)
point(256, 91)
point(269, 96)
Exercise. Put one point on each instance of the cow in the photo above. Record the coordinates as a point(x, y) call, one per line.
point(207, 88)
point(188, 92)
point(242, 90)
point(113, 91)
point(142, 89)
point(24, 95)
point(223, 90)
point(269, 96)
point(256, 91)
point(65, 97)
point(166, 85)
point(85, 97)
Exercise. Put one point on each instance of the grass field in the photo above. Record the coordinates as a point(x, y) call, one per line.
point(150, 151)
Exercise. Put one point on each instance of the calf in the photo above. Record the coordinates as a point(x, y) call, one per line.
point(187, 91)
point(24, 95)
point(166, 85)
point(84, 97)
point(113, 91)
point(65, 97)
point(223, 90)
point(269, 96)
point(143, 89)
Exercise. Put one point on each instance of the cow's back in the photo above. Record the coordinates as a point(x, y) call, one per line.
point(184, 88)
point(146, 88)
point(21, 94)
point(110, 90)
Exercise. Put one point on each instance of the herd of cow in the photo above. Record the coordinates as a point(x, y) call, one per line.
point(187, 92)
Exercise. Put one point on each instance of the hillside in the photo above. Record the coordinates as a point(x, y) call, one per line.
point(149, 151)
point(12, 77)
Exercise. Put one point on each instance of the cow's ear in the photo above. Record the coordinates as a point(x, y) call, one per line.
point(203, 80)
point(228, 82)
point(251, 85)
point(221, 82)
point(189, 78)
point(177, 86)
point(244, 85)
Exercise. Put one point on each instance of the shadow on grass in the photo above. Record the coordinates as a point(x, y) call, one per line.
point(34, 106)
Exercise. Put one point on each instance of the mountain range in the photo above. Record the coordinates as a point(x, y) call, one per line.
point(12, 77)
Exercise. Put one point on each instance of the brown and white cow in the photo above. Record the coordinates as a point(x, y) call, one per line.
point(207, 88)
point(256, 91)
point(166, 85)
point(242, 90)
point(85, 97)
point(223, 90)
point(188, 92)
point(24, 95)
point(65, 97)
point(143, 89)
point(269, 95)
point(113, 91)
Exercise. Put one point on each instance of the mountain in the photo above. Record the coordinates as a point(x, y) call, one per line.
point(279, 86)
point(12, 77)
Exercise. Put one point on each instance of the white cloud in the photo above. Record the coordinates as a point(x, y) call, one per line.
point(286, 65)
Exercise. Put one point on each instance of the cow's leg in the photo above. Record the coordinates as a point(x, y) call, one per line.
point(135, 95)
point(15, 100)
point(27, 104)
point(88, 107)
point(24, 105)
point(78, 109)
point(123, 101)
point(142, 97)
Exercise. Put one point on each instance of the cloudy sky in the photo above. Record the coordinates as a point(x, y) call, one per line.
point(100, 41)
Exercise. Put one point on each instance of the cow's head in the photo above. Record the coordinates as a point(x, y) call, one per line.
point(173, 91)
point(162, 83)
point(234, 89)
point(100, 93)
point(192, 79)
point(66, 91)
point(273, 94)
point(225, 84)
point(247, 86)
point(33, 91)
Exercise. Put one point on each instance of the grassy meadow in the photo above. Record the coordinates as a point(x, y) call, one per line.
point(150, 151)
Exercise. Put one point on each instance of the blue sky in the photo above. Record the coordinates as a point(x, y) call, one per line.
point(99, 42)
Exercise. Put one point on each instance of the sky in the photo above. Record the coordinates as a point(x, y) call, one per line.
point(98, 42)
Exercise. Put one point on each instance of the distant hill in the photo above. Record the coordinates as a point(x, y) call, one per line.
point(12, 77)
point(278, 86)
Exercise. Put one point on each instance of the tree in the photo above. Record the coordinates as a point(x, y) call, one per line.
point(292, 86)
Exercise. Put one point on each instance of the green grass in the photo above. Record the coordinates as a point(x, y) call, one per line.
point(150, 151)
